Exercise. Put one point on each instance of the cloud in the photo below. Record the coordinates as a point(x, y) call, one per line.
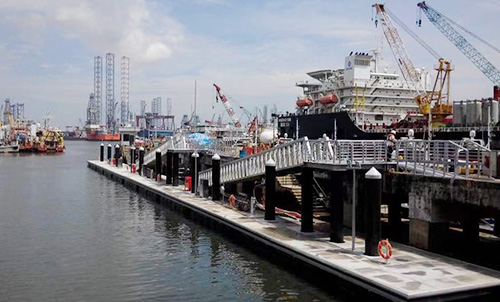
point(134, 28)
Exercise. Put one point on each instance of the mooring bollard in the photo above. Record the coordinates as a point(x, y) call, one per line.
point(270, 211)
point(194, 172)
point(141, 160)
point(306, 225)
point(117, 154)
point(373, 198)
point(175, 169)
point(337, 206)
point(158, 165)
point(215, 177)
point(169, 167)
point(109, 153)
point(101, 153)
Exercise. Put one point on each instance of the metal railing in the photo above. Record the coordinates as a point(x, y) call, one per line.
point(440, 158)
point(296, 153)
point(221, 146)
point(286, 156)
point(172, 142)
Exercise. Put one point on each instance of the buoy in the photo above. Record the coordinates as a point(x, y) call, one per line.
point(385, 245)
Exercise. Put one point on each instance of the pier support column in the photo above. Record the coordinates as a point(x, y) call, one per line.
point(141, 160)
point(307, 200)
point(471, 231)
point(132, 156)
point(175, 169)
point(117, 154)
point(496, 226)
point(394, 204)
point(373, 198)
point(337, 206)
point(158, 165)
point(169, 167)
point(109, 153)
point(216, 178)
point(101, 153)
point(270, 190)
point(427, 235)
point(194, 172)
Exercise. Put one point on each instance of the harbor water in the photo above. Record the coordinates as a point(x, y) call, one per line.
point(70, 234)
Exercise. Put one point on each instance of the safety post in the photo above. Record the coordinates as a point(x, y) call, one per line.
point(307, 200)
point(373, 198)
point(158, 164)
point(169, 167)
point(109, 153)
point(337, 206)
point(117, 154)
point(101, 153)
point(175, 169)
point(194, 172)
point(216, 177)
point(270, 211)
point(141, 160)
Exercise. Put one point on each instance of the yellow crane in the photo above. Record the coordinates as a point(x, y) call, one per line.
point(412, 77)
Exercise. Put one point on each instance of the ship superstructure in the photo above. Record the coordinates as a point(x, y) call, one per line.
point(372, 97)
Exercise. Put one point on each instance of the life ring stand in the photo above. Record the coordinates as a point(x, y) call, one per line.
point(385, 243)
point(232, 200)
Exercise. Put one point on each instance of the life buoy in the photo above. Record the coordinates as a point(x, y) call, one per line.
point(388, 247)
point(232, 200)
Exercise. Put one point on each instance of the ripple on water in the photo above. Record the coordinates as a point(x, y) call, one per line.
point(68, 233)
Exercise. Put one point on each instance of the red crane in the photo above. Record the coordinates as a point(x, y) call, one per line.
point(228, 107)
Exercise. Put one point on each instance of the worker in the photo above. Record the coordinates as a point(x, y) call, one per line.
point(391, 143)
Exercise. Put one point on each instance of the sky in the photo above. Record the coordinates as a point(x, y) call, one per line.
point(254, 50)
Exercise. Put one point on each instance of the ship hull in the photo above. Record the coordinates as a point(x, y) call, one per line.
point(341, 126)
point(103, 137)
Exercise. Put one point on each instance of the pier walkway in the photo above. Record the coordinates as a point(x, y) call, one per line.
point(410, 275)
point(436, 158)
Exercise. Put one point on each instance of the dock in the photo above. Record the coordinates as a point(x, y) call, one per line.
point(410, 275)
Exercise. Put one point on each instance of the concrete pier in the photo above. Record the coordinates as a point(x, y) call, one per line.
point(410, 275)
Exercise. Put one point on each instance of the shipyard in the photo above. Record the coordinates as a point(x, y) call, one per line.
point(241, 156)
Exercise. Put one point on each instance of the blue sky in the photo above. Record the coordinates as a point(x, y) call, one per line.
point(255, 50)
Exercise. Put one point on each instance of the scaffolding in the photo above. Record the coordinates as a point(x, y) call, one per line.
point(110, 91)
point(125, 91)
point(97, 91)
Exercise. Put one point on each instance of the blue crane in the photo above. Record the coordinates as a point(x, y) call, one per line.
point(443, 24)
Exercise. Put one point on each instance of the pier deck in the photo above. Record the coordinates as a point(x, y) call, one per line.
point(410, 275)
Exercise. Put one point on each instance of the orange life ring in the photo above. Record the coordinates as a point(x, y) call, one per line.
point(232, 200)
point(385, 243)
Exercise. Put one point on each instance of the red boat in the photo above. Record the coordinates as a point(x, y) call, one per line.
point(97, 133)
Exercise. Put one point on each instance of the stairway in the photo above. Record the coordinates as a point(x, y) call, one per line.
point(289, 182)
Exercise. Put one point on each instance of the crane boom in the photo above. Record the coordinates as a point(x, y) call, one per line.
point(228, 107)
point(441, 23)
point(403, 60)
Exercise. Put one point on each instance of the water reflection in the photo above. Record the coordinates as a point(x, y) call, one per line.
point(68, 233)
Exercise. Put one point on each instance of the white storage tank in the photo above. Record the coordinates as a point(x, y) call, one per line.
point(457, 114)
point(478, 111)
point(471, 112)
point(485, 105)
point(463, 120)
point(494, 112)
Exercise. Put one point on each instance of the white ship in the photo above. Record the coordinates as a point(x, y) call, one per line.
point(372, 97)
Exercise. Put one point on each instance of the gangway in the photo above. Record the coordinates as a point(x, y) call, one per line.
point(291, 155)
point(446, 159)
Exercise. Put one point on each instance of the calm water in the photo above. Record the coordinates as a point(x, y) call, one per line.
point(70, 234)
